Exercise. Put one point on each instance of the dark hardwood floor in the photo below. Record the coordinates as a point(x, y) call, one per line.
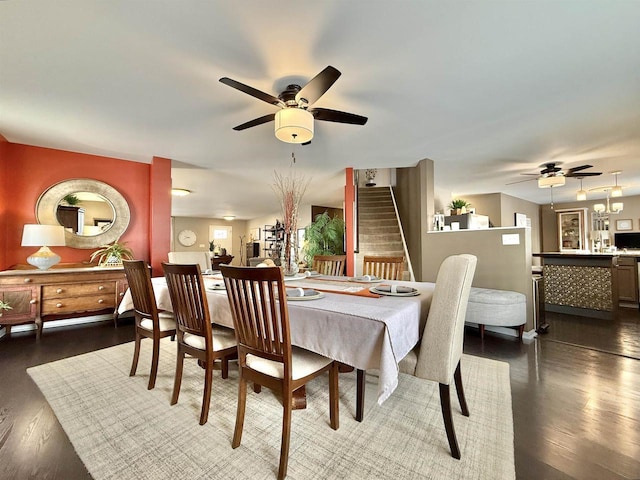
point(576, 410)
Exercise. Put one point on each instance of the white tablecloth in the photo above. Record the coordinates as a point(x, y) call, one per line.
point(366, 333)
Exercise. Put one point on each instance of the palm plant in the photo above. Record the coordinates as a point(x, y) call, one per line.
point(4, 306)
point(112, 254)
point(325, 236)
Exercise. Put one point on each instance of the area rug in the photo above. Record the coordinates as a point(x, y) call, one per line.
point(122, 431)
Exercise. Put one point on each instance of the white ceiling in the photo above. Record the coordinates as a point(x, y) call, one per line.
point(487, 89)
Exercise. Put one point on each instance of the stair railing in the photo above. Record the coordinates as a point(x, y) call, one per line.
point(404, 242)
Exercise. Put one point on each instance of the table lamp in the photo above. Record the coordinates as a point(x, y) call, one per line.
point(43, 236)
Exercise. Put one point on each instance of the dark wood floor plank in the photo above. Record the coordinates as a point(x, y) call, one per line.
point(576, 410)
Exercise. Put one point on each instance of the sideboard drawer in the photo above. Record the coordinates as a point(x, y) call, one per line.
point(58, 306)
point(74, 290)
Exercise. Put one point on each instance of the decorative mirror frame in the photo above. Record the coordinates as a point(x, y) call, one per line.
point(46, 209)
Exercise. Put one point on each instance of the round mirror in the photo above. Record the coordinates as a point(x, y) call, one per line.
point(92, 212)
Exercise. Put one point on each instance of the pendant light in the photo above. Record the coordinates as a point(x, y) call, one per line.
point(581, 194)
point(617, 190)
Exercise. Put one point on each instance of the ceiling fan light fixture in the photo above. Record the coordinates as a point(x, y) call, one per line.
point(294, 125)
point(552, 181)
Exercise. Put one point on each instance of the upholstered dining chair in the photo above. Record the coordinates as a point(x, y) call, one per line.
point(195, 334)
point(329, 264)
point(389, 268)
point(150, 323)
point(265, 355)
point(437, 356)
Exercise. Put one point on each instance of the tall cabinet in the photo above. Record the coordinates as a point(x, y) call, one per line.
point(572, 229)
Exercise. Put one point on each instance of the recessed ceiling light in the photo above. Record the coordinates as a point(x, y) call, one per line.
point(228, 218)
point(180, 192)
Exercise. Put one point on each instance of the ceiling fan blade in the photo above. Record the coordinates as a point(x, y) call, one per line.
point(337, 116)
point(318, 85)
point(582, 174)
point(520, 181)
point(577, 169)
point(256, 121)
point(265, 97)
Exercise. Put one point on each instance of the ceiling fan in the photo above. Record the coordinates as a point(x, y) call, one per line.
point(294, 120)
point(551, 175)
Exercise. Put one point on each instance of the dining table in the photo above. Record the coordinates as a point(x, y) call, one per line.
point(347, 321)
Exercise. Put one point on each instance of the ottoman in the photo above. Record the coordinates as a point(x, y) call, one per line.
point(502, 308)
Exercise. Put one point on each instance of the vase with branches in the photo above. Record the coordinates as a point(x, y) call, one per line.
point(289, 189)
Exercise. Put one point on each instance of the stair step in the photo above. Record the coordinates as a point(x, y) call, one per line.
point(380, 237)
point(376, 215)
point(386, 246)
point(377, 227)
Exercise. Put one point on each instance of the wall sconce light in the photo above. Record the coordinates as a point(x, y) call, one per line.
point(43, 236)
point(294, 125)
point(228, 218)
point(180, 192)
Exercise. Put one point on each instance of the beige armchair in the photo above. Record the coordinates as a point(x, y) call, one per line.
point(437, 357)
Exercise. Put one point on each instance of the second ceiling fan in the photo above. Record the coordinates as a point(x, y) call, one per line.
point(551, 175)
point(294, 120)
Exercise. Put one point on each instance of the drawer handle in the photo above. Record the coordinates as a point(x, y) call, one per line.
point(27, 280)
point(100, 300)
point(101, 287)
point(32, 301)
point(59, 290)
point(59, 305)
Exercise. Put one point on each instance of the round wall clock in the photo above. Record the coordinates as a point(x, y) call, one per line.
point(187, 238)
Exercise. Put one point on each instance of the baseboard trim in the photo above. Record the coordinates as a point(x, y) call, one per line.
point(65, 322)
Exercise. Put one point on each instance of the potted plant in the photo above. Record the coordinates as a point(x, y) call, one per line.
point(325, 236)
point(111, 255)
point(458, 206)
point(4, 306)
point(71, 199)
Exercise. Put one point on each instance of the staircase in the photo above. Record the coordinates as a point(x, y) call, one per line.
point(379, 229)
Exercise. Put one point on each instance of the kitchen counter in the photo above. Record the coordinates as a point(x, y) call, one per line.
point(584, 284)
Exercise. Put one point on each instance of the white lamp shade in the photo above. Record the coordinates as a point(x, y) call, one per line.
point(548, 182)
point(581, 195)
point(616, 191)
point(294, 125)
point(599, 207)
point(617, 206)
point(36, 235)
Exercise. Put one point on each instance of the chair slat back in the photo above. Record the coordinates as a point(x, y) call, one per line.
point(443, 337)
point(389, 268)
point(139, 279)
point(260, 320)
point(188, 299)
point(329, 264)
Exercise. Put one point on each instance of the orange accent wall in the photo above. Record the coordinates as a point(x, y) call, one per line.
point(160, 218)
point(349, 199)
point(28, 171)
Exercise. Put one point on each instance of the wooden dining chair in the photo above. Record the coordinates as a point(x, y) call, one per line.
point(437, 356)
point(196, 336)
point(265, 354)
point(150, 323)
point(389, 268)
point(329, 264)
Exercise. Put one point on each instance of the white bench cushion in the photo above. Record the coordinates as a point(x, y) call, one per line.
point(496, 307)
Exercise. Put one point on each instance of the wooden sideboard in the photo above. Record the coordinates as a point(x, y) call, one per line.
point(65, 291)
